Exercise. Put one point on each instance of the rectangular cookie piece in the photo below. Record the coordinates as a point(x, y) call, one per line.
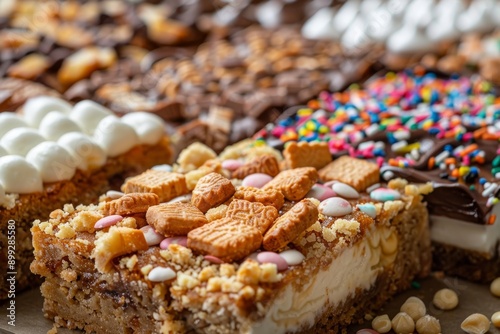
point(338, 270)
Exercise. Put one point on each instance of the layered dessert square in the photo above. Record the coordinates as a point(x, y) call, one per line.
point(234, 243)
point(53, 153)
point(422, 128)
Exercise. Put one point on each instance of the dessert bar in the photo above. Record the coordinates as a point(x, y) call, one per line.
point(422, 128)
point(234, 244)
point(53, 153)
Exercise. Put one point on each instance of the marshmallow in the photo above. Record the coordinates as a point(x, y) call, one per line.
point(19, 141)
point(35, 109)
point(148, 127)
point(9, 121)
point(86, 153)
point(87, 114)
point(115, 136)
point(320, 25)
point(19, 176)
point(55, 124)
point(52, 161)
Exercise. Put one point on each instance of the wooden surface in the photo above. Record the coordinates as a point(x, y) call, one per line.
point(474, 298)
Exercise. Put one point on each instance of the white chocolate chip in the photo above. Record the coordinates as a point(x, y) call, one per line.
point(382, 324)
point(476, 324)
point(428, 325)
point(445, 299)
point(402, 323)
point(414, 307)
point(495, 287)
point(495, 319)
point(161, 274)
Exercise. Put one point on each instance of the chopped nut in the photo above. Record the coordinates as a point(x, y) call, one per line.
point(194, 156)
point(428, 325)
point(216, 213)
point(214, 284)
point(495, 287)
point(118, 241)
point(382, 324)
point(66, 231)
point(249, 272)
point(476, 323)
point(206, 273)
point(186, 281)
point(402, 323)
point(269, 273)
point(445, 299)
point(227, 270)
point(414, 307)
point(495, 319)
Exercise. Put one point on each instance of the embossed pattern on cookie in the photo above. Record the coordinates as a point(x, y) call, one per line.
point(166, 185)
point(175, 218)
point(252, 213)
point(131, 203)
point(289, 226)
point(226, 239)
point(294, 183)
point(266, 164)
point(305, 154)
point(210, 191)
point(265, 196)
point(359, 174)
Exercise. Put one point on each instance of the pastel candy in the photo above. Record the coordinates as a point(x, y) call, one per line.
point(384, 194)
point(320, 192)
point(257, 180)
point(335, 207)
point(271, 257)
point(367, 331)
point(162, 168)
point(161, 274)
point(213, 259)
point(152, 237)
point(173, 240)
point(113, 194)
point(344, 190)
point(368, 208)
point(231, 164)
point(330, 183)
point(107, 221)
point(293, 257)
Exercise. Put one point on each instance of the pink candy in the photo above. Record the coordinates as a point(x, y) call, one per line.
point(213, 259)
point(320, 192)
point(182, 241)
point(257, 180)
point(231, 164)
point(271, 257)
point(152, 237)
point(107, 221)
point(335, 207)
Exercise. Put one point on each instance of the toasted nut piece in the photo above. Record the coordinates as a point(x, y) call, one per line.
point(226, 239)
point(428, 325)
point(445, 299)
point(266, 164)
point(382, 324)
point(216, 213)
point(476, 323)
point(131, 203)
point(402, 323)
point(414, 307)
point(211, 190)
point(265, 196)
point(29, 67)
point(289, 226)
point(194, 156)
point(359, 174)
point(175, 218)
point(252, 213)
point(305, 154)
point(495, 287)
point(495, 319)
point(118, 241)
point(294, 183)
point(164, 184)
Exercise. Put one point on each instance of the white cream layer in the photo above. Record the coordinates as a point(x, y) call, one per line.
point(356, 268)
point(469, 236)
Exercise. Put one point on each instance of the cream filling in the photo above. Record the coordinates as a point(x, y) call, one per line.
point(356, 268)
point(470, 236)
